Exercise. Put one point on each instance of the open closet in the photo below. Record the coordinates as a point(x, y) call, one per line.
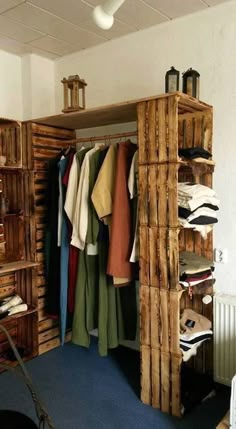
point(165, 123)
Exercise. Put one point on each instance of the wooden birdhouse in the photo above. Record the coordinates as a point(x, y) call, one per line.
point(74, 93)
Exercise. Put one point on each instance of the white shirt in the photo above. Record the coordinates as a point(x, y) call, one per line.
point(72, 188)
point(132, 176)
point(80, 218)
point(134, 257)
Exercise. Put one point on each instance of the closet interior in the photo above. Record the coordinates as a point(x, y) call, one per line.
point(165, 124)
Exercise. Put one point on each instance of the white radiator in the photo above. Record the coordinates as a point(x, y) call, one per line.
point(224, 338)
point(233, 404)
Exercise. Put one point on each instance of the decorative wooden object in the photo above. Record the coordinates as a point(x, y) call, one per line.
point(165, 123)
point(73, 87)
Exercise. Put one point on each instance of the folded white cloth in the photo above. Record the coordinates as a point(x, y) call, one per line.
point(192, 335)
point(17, 309)
point(195, 190)
point(203, 229)
point(15, 300)
point(194, 203)
point(202, 211)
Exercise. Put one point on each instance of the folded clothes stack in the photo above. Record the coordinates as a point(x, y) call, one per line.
point(195, 329)
point(196, 154)
point(198, 205)
point(12, 305)
point(195, 270)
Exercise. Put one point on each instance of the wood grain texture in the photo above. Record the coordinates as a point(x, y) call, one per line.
point(173, 129)
point(146, 394)
point(142, 150)
point(152, 142)
point(145, 315)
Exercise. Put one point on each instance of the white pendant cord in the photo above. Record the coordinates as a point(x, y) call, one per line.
point(111, 6)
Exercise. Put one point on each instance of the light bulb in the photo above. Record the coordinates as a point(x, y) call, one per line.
point(103, 15)
point(102, 19)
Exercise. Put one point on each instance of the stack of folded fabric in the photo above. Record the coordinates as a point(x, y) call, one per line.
point(195, 329)
point(196, 154)
point(12, 305)
point(195, 270)
point(198, 205)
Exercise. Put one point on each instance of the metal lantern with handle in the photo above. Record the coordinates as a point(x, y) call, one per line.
point(172, 80)
point(191, 83)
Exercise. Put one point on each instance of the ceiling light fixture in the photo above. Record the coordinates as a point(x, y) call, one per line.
point(103, 15)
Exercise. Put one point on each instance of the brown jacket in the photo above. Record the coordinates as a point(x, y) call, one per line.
point(121, 238)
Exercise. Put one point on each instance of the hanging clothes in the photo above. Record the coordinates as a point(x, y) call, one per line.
point(103, 191)
point(72, 181)
point(80, 221)
point(84, 232)
point(120, 240)
point(96, 304)
point(52, 251)
point(133, 192)
point(108, 320)
point(102, 197)
point(64, 163)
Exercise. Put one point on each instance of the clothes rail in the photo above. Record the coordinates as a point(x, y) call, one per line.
point(105, 137)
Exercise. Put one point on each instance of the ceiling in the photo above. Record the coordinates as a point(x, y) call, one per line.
point(54, 28)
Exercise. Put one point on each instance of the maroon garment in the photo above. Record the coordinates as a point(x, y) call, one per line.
point(121, 232)
point(73, 251)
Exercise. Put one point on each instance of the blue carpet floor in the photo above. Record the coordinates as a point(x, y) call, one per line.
point(83, 391)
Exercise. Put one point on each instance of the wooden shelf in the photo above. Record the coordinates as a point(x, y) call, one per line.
point(117, 113)
point(31, 310)
point(13, 214)
point(10, 168)
point(198, 168)
point(16, 266)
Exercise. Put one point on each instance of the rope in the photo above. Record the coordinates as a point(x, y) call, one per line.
point(41, 412)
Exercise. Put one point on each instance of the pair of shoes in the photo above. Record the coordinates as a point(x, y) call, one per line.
point(10, 302)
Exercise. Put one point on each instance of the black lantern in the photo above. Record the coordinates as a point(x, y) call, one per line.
point(172, 80)
point(191, 83)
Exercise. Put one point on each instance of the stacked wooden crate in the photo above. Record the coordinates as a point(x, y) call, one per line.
point(41, 143)
point(164, 125)
point(17, 273)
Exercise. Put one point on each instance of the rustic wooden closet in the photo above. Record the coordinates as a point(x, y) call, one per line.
point(164, 124)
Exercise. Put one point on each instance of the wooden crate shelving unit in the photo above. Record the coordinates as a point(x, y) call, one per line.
point(17, 273)
point(40, 144)
point(164, 123)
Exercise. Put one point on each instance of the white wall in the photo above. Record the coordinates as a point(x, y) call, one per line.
point(38, 86)
point(134, 66)
point(10, 86)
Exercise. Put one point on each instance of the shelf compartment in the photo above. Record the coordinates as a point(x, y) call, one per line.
point(10, 168)
point(30, 310)
point(10, 145)
point(22, 328)
point(196, 168)
point(14, 236)
point(16, 266)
